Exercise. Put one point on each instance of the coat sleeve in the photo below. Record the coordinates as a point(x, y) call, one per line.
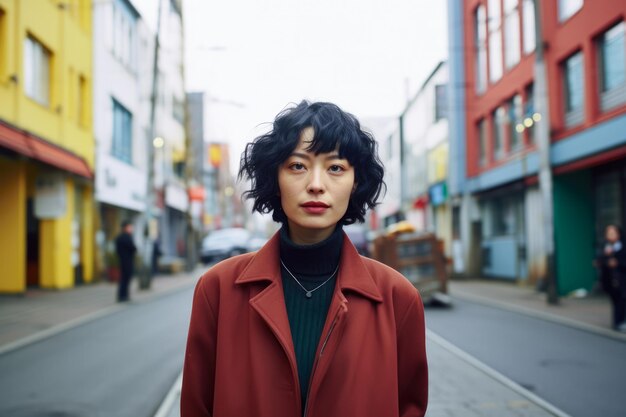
point(412, 366)
point(199, 368)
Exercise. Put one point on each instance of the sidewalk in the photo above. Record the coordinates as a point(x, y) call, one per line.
point(591, 313)
point(38, 313)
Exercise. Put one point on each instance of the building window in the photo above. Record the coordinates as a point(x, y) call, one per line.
point(529, 111)
point(574, 90)
point(36, 71)
point(511, 33)
point(124, 34)
point(480, 41)
point(528, 15)
point(567, 8)
point(514, 122)
point(612, 51)
point(441, 102)
point(122, 133)
point(499, 120)
point(494, 23)
point(482, 141)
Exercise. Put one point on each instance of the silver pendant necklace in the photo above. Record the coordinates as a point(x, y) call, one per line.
point(309, 293)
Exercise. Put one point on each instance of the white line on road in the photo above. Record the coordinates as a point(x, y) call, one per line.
point(434, 337)
point(170, 399)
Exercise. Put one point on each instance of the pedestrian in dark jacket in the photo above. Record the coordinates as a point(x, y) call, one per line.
point(126, 249)
point(611, 262)
point(306, 326)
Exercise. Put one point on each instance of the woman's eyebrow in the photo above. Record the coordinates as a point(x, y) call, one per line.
point(334, 155)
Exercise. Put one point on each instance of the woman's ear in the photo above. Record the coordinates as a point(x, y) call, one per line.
point(354, 187)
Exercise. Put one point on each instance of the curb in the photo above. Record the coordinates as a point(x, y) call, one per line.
point(60, 328)
point(543, 316)
point(481, 366)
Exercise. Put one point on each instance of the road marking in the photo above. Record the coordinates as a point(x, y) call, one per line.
point(481, 366)
point(170, 398)
point(543, 316)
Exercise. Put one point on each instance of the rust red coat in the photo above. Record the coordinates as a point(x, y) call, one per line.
point(240, 361)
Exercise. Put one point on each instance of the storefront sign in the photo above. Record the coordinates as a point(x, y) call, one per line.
point(120, 184)
point(176, 197)
point(438, 194)
point(50, 196)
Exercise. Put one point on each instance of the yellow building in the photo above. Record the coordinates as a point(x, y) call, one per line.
point(46, 144)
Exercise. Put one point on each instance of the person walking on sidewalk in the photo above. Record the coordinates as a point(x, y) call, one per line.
point(126, 249)
point(306, 326)
point(612, 267)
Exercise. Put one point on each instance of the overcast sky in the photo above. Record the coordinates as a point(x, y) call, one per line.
point(255, 57)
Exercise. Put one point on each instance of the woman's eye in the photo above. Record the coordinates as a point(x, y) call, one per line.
point(336, 169)
point(297, 166)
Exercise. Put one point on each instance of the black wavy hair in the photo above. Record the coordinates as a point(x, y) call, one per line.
point(333, 129)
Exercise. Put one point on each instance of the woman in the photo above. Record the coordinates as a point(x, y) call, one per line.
point(306, 326)
point(612, 264)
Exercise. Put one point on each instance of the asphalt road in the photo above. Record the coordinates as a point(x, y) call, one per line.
point(579, 372)
point(120, 365)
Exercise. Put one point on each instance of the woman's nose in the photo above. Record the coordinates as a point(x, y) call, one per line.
point(316, 181)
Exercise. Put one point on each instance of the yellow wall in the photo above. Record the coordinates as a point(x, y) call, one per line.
point(66, 33)
point(13, 226)
point(444, 226)
point(88, 235)
point(438, 163)
point(55, 247)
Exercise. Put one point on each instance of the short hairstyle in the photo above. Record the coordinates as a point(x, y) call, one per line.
point(333, 129)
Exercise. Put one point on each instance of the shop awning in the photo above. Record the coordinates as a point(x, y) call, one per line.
point(31, 146)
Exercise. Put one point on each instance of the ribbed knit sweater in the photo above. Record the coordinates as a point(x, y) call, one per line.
point(311, 265)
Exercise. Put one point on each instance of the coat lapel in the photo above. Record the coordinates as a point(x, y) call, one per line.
point(269, 302)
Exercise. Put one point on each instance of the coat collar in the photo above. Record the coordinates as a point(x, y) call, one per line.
point(353, 275)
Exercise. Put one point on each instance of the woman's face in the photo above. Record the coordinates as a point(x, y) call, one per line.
point(314, 191)
point(612, 234)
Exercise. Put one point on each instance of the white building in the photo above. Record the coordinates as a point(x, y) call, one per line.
point(124, 34)
point(121, 50)
point(425, 135)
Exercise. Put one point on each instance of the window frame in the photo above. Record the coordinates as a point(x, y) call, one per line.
point(566, 13)
point(482, 142)
point(511, 33)
point(514, 116)
point(37, 82)
point(528, 27)
point(494, 40)
point(480, 53)
point(573, 116)
point(122, 133)
point(498, 117)
point(614, 96)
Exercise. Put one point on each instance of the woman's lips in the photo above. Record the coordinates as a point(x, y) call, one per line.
point(315, 207)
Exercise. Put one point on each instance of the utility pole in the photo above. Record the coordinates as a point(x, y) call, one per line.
point(146, 276)
point(192, 235)
point(541, 105)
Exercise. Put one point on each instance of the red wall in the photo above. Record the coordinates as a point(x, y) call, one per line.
point(561, 40)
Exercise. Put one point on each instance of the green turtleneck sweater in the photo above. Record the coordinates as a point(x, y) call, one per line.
point(311, 265)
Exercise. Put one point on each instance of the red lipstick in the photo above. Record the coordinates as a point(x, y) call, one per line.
point(314, 207)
